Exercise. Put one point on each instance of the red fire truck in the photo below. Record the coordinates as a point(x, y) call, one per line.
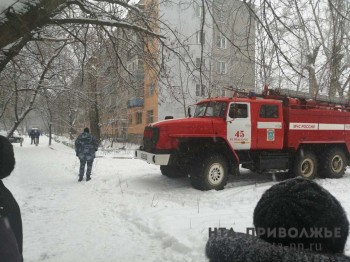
point(277, 130)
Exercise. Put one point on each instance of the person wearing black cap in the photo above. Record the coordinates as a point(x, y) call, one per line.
point(11, 234)
point(295, 220)
point(85, 147)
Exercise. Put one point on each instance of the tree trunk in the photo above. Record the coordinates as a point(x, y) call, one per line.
point(335, 65)
point(93, 104)
point(50, 133)
point(310, 67)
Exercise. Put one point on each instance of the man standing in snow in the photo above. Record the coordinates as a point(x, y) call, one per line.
point(85, 148)
point(11, 233)
point(32, 136)
point(37, 136)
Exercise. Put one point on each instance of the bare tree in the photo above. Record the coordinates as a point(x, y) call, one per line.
point(55, 21)
point(20, 25)
point(304, 37)
point(25, 83)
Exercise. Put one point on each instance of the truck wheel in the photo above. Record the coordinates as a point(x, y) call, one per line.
point(305, 165)
point(172, 171)
point(334, 163)
point(210, 173)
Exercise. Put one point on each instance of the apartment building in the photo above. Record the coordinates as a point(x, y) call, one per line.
point(207, 50)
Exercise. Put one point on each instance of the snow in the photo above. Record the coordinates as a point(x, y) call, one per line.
point(4, 4)
point(18, 6)
point(128, 211)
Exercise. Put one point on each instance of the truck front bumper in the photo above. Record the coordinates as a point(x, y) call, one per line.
point(156, 159)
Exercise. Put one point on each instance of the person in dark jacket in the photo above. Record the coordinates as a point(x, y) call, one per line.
point(32, 136)
point(37, 136)
point(85, 147)
point(11, 234)
point(291, 220)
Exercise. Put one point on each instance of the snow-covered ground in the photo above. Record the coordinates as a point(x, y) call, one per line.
point(128, 211)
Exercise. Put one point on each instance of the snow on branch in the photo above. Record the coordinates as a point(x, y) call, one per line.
point(123, 4)
point(104, 23)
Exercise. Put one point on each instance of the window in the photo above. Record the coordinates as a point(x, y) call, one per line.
point(198, 10)
point(138, 118)
point(150, 89)
point(216, 109)
point(130, 120)
point(238, 111)
point(269, 111)
point(132, 66)
point(221, 67)
point(200, 90)
point(135, 65)
point(223, 91)
point(130, 53)
point(200, 37)
point(221, 15)
point(198, 62)
point(150, 116)
point(221, 41)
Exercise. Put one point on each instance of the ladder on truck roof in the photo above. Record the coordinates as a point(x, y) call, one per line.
point(319, 98)
point(281, 93)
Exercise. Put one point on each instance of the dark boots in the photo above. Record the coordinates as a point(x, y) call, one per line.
point(81, 178)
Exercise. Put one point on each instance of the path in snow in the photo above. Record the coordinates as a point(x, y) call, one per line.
point(65, 220)
point(129, 211)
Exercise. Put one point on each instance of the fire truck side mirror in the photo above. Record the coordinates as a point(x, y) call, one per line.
point(189, 112)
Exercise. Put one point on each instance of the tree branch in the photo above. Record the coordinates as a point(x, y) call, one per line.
point(16, 24)
point(103, 23)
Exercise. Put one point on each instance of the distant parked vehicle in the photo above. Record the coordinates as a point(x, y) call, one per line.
point(14, 138)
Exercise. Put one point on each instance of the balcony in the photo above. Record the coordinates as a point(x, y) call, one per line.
point(135, 102)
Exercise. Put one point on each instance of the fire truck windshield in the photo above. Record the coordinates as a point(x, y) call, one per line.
point(214, 109)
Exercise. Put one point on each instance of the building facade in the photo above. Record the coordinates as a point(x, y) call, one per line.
point(207, 51)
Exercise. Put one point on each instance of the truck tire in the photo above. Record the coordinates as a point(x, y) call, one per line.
point(333, 163)
point(210, 173)
point(172, 171)
point(305, 165)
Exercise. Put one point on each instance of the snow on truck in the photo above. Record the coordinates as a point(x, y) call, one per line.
point(277, 130)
